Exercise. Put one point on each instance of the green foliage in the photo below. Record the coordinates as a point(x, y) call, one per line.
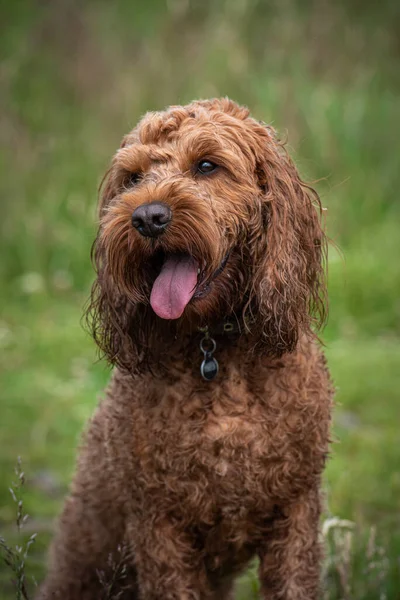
point(15, 557)
point(74, 78)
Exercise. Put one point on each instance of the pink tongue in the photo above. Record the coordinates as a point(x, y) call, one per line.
point(174, 287)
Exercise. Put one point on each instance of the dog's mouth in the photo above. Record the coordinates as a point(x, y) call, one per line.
point(177, 283)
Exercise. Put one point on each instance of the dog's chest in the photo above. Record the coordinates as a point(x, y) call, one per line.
point(226, 449)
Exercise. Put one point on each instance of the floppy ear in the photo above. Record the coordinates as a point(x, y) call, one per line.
point(289, 293)
point(108, 312)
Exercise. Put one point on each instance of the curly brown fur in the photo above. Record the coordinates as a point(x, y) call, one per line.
point(197, 477)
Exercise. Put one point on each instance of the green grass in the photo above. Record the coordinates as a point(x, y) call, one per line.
point(73, 81)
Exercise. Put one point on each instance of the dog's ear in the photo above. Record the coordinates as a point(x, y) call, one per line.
point(289, 294)
point(108, 312)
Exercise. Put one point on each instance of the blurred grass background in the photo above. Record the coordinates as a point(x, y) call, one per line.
point(75, 76)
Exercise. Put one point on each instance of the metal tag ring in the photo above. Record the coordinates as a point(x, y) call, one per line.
point(209, 340)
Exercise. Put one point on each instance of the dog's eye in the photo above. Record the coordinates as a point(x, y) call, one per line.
point(206, 166)
point(133, 179)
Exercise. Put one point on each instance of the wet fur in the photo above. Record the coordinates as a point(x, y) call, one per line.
point(195, 478)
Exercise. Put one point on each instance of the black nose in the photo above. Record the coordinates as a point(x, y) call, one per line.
point(151, 219)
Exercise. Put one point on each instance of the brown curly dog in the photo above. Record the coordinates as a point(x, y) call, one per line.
point(209, 445)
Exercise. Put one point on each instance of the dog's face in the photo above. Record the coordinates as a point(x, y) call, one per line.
point(184, 196)
point(203, 216)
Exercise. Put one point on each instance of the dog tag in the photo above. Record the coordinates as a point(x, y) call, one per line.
point(209, 367)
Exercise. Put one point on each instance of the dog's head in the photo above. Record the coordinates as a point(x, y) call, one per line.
point(203, 216)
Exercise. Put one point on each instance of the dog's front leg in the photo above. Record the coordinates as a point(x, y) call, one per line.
point(168, 565)
point(290, 559)
point(91, 529)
